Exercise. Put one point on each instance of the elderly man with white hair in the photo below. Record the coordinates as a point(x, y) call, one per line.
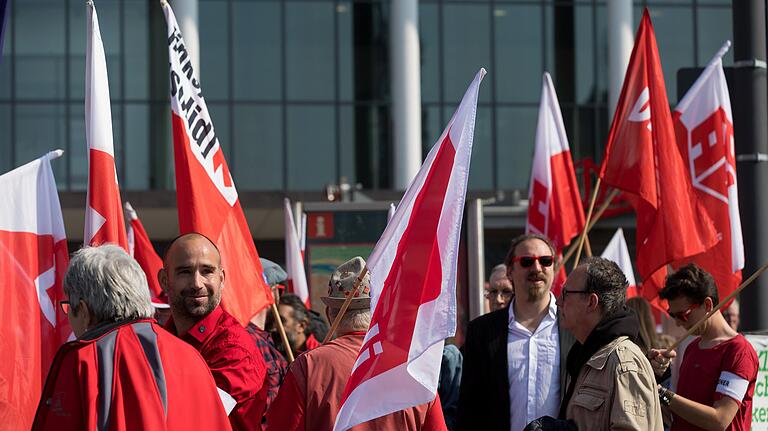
point(123, 371)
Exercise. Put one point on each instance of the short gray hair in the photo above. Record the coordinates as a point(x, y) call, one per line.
point(607, 281)
point(110, 281)
point(353, 320)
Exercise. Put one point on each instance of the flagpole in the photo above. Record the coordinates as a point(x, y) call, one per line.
point(55, 154)
point(586, 224)
point(345, 305)
point(281, 329)
point(599, 213)
point(719, 306)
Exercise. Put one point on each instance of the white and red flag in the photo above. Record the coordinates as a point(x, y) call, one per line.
point(205, 191)
point(33, 260)
point(704, 130)
point(643, 160)
point(294, 260)
point(554, 202)
point(103, 209)
point(617, 251)
point(141, 248)
point(413, 282)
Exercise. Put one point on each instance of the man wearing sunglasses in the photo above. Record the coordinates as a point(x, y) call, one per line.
point(719, 368)
point(514, 358)
point(123, 371)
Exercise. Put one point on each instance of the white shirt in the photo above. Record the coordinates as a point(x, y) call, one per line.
point(533, 368)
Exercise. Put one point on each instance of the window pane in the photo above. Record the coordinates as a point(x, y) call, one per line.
point(137, 148)
point(40, 129)
point(516, 131)
point(311, 167)
point(715, 26)
point(466, 38)
point(220, 118)
point(259, 147)
point(519, 52)
point(431, 128)
point(430, 53)
point(214, 57)
point(674, 28)
point(40, 58)
point(584, 55)
point(256, 57)
point(346, 51)
point(6, 164)
point(137, 49)
point(6, 61)
point(309, 50)
point(347, 141)
point(77, 153)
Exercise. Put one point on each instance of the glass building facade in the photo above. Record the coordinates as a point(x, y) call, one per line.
point(299, 89)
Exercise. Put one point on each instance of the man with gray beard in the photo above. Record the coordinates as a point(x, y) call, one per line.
point(515, 356)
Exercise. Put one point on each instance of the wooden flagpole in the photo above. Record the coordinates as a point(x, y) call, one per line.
point(720, 305)
point(586, 224)
point(281, 329)
point(345, 305)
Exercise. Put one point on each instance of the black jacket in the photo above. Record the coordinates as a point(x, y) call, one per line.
point(484, 395)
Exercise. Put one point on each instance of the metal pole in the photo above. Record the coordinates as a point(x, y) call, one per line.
point(406, 90)
point(186, 15)
point(620, 42)
point(475, 257)
point(750, 115)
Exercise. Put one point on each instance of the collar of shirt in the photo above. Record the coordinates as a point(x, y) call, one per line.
point(200, 332)
point(551, 316)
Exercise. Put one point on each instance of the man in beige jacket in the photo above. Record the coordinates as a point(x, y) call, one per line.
point(610, 383)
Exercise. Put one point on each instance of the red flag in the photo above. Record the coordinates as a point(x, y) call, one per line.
point(103, 210)
point(642, 159)
point(294, 259)
point(413, 282)
point(554, 202)
point(205, 192)
point(33, 259)
point(704, 129)
point(140, 247)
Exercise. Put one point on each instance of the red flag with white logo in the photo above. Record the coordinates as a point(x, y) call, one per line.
point(103, 209)
point(643, 159)
point(554, 202)
point(141, 248)
point(33, 260)
point(205, 192)
point(704, 129)
point(294, 261)
point(413, 282)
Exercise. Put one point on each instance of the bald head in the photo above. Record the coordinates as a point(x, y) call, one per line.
point(183, 243)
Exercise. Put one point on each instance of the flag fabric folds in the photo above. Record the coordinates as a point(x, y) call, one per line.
point(294, 260)
point(617, 251)
point(206, 196)
point(643, 160)
point(103, 209)
point(413, 282)
point(33, 260)
point(554, 202)
point(704, 130)
point(141, 248)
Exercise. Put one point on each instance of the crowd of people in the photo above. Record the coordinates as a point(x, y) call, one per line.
point(587, 359)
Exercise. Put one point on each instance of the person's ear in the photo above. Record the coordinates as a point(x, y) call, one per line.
point(83, 312)
point(223, 278)
point(594, 301)
point(162, 278)
point(709, 304)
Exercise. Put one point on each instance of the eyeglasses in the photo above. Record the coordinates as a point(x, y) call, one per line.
point(527, 261)
point(683, 315)
point(65, 307)
point(565, 292)
point(505, 294)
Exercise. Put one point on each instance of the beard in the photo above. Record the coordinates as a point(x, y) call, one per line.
point(536, 292)
point(193, 308)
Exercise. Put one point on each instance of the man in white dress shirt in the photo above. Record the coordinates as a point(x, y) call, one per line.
point(514, 358)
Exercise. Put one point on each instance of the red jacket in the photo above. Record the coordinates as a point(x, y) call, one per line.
point(236, 364)
point(129, 376)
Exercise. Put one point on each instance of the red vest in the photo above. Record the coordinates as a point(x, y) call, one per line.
point(129, 376)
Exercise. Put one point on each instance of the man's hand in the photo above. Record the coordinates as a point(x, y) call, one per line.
point(660, 360)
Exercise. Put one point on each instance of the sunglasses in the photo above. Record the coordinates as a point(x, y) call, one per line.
point(528, 261)
point(683, 315)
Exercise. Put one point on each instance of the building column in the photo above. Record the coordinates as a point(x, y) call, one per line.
point(406, 90)
point(620, 42)
point(186, 12)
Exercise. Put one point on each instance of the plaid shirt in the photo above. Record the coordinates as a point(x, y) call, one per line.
point(276, 363)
